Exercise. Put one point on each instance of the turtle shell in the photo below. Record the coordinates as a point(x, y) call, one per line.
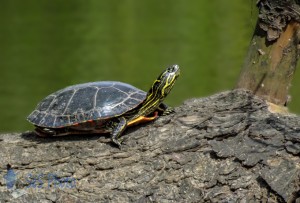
point(84, 102)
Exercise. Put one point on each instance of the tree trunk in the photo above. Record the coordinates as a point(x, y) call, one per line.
point(224, 148)
point(274, 51)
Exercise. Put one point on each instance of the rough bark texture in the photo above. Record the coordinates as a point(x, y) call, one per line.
point(273, 52)
point(224, 148)
point(275, 15)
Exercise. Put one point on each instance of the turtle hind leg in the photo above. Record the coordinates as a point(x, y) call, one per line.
point(44, 132)
point(118, 130)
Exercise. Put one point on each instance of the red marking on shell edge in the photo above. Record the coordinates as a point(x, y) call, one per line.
point(90, 121)
point(75, 124)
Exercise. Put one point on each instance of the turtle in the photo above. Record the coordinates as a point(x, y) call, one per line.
point(102, 107)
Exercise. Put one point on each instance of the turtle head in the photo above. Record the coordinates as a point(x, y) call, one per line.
point(164, 83)
point(160, 89)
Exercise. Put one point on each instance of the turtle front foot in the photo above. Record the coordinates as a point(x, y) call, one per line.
point(115, 141)
point(168, 111)
point(165, 109)
point(118, 130)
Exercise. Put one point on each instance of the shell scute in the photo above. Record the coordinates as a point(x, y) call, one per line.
point(81, 101)
point(59, 103)
point(48, 120)
point(44, 105)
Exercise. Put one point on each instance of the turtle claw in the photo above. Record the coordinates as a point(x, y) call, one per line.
point(168, 111)
point(117, 143)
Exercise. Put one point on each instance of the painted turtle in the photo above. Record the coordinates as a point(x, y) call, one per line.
point(101, 107)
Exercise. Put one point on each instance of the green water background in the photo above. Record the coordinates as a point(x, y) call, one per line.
point(47, 45)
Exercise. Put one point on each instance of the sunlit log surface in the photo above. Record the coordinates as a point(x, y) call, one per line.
point(224, 148)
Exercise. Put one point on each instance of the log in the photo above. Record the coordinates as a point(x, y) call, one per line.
point(274, 51)
point(224, 148)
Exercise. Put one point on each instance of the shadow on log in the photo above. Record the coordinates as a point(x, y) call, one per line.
point(224, 148)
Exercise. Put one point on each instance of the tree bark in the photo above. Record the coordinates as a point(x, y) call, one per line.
point(224, 148)
point(274, 51)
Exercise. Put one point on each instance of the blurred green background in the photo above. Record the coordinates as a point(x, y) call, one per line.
point(49, 44)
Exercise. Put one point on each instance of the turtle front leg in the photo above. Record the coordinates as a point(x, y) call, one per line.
point(165, 109)
point(118, 130)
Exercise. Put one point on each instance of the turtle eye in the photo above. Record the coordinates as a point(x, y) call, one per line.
point(172, 68)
